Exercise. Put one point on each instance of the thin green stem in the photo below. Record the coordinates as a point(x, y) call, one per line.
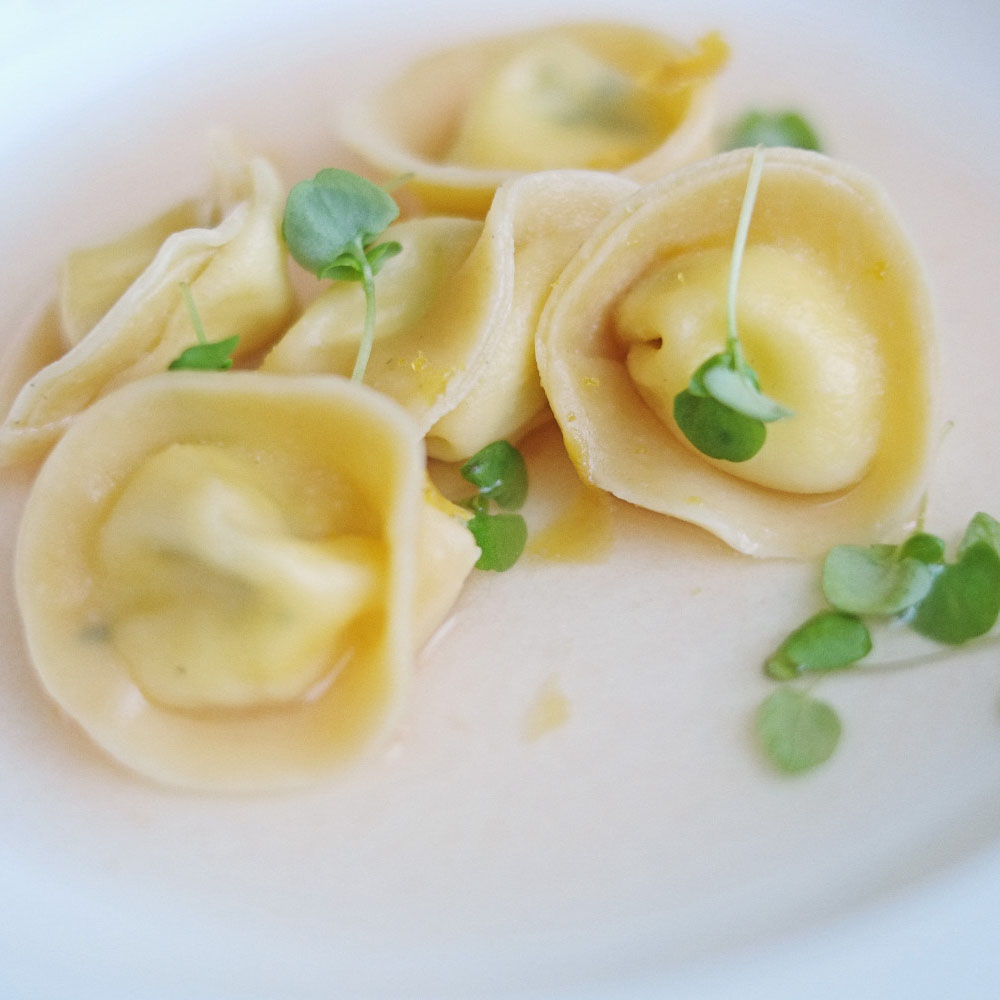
point(739, 245)
point(368, 337)
point(199, 330)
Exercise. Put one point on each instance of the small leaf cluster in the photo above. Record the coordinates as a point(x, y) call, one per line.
point(723, 412)
point(949, 601)
point(331, 226)
point(206, 355)
point(500, 475)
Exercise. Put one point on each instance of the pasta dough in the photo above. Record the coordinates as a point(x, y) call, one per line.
point(224, 577)
point(833, 310)
point(457, 309)
point(598, 96)
point(238, 277)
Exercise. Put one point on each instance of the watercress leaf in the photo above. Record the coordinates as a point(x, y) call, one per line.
point(500, 537)
point(874, 580)
point(927, 548)
point(380, 253)
point(345, 266)
point(715, 429)
point(780, 128)
point(697, 384)
point(830, 640)
point(210, 356)
point(740, 392)
point(964, 601)
point(500, 474)
point(336, 208)
point(982, 528)
point(797, 732)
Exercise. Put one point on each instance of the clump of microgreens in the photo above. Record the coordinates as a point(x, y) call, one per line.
point(949, 602)
point(331, 225)
point(500, 475)
point(772, 128)
point(722, 412)
point(206, 355)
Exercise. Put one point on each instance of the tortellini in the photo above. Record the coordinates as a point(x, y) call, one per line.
point(224, 577)
point(834, 318)
point(457, 310)
point(238, 279)
point(598, 96)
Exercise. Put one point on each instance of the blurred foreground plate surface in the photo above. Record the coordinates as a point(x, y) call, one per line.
point(641, 848)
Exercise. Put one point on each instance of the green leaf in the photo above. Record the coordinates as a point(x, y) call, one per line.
point(500, 474)
point(381, 252)
point(334, 211)
point(741, 393)
point(964, 601)
point(501, 537)
point(722, 411)
point(345, 266)
point(348, 266)
point(830, 640)
point(211, 356)
point(205, 355)
point(982, 528)
point(781, 128)
point(874, 580)
point(927, 548)
point(715, 429)
point(796, 731)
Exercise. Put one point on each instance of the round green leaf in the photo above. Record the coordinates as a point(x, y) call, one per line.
point(964, 601)
point(500, 473)
point(874, 580)
point(927, 548)
point(335, 212)
point(501, 539)
point(982, 528)
point(716, 430)
point(796, 731)
point(782, 128)
point(830, 640)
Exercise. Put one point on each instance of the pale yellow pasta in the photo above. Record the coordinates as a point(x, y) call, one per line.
point(834, 317)
point(94, 278)
point(534, 226)
point(224, 577)
point(578, 95)
point(238, 277)
point(457, 309)
point(417, 355)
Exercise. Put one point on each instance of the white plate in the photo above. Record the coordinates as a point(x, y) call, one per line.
point(642, 849)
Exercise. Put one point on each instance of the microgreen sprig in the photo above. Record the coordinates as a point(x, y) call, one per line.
point(912, 583)
point(499, 473)
point(723, 412)
point(331, 225)
point(777, 128)
point(206, 355)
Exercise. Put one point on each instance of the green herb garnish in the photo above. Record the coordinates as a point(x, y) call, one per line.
point(501, 476)
point(964, 601)
point(797, 731)
point(331, 226)
point(830, 640)
point(778, 128)
point(722, 412)
point(910, 584)
point(206, 355)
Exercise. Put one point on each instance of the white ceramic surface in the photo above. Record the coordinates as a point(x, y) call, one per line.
point(642, 849)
